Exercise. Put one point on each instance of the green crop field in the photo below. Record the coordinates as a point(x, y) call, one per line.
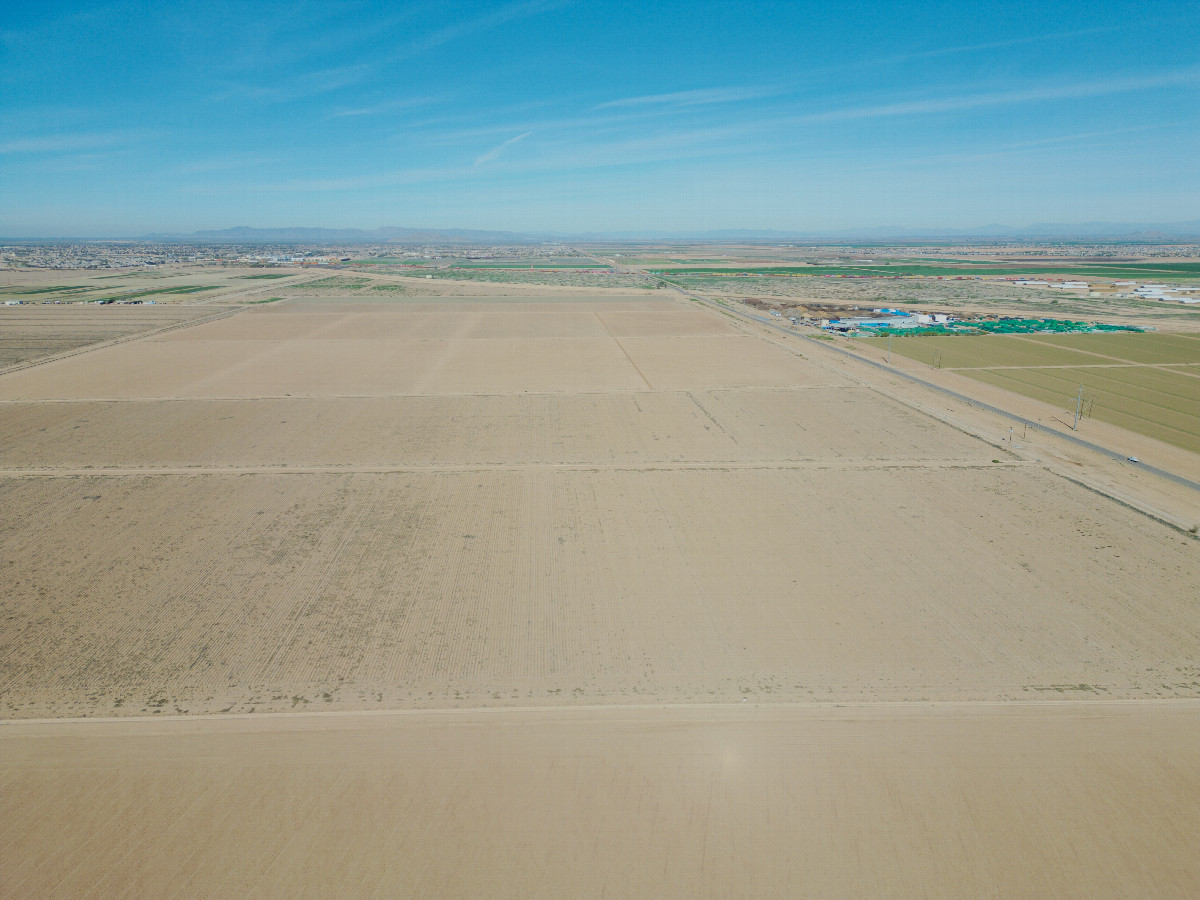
point(1147, 383)
point(1102, 271)
point(1152, 349)
point(390, 261)
point(532, 264)
point(984, 351)
point(48, 289)
point(150, 292)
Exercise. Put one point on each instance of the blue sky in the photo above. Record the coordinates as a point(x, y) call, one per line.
point(551, 115)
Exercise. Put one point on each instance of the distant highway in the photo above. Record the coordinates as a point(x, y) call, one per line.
point(1063, 435)
point(764, 320)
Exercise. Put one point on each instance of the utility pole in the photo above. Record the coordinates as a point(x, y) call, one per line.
point(889, 348)
point(1078, 408)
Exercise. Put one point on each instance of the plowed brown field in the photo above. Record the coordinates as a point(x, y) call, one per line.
point(592, 503)
point(938, 801)
point(474, 587)
point(405, 348)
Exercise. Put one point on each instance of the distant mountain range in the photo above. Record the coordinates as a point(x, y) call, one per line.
point(1123, 231)
point(387, 235)
point(1090, 231)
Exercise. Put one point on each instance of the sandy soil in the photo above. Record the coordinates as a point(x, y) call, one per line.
point(700, 426)
point(405, 349)
point(1063, 800)
point(682, 512)
point(619, 551)
point(522, 285)
point(479, 587)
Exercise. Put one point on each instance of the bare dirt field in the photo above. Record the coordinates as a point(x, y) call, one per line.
point(627, 512)
point(724, 425)
point(363, 283)
point(389, 349)
point(931, 800)
point(33, 332)
point(176, 284)
point(475, 587)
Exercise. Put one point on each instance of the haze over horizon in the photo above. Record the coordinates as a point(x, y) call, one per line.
point(566, 117)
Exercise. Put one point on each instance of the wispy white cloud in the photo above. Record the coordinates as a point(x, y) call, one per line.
point(564, 156)
point(502, 15)
point(323, 81)
point(386, 106)
point(227, 163)
point(500, 148)
point(290, 37)
point(68, 143)
point(700, 97)
point(308, 84)
point(1003, 151)
point(368, 181)
point(48, 118)
point(1075, 137)
point(1039, 94)
point(599, 124)
point(1010, 42)
point(636, 120)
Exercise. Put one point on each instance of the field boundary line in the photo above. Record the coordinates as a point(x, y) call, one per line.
point(1021, 420)
point(1132, 503)
point(621, 347)
point(1128, 503)
point(849, 706)
point(970, 401)
point(251, 291)
point(663, 466)
point(265, 398)
point(1031, 339)
point(102, 345)
point(1169, 366)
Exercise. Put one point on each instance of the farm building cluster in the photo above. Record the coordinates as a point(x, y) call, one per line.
point(1178, 293)
point(892, 321)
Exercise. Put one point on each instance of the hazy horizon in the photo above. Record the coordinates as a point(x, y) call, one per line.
point(1090, 232)
point(550, 116)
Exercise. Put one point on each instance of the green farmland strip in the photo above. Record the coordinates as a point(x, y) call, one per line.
point(1171, 391)
point(1149, 425)
point(1130, 405)
point(525, 265)
point(1162, 403)
point(1140, 348)
point(48, 289)
point(181, 289)
point(390, 261)
point(1095, 270)
point(981, 351)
